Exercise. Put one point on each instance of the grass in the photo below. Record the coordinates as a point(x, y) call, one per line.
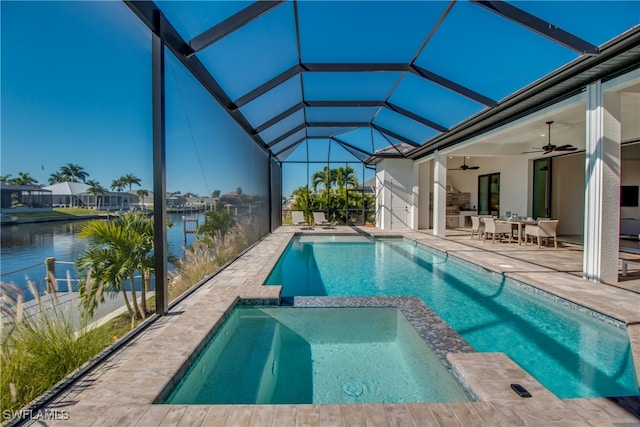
point(60, 213)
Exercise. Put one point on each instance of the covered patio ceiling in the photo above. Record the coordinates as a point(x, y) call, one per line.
point(311, 79)
point(568, 127)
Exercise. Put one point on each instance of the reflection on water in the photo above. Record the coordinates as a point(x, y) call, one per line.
point(25, 245)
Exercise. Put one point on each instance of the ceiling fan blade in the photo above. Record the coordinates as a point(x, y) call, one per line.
point(474, 167)
point(567, 147)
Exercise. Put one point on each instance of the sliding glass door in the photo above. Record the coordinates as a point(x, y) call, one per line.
point(489, 194)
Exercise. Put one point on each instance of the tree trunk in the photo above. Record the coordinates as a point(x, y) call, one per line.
point(126, 301)
point(143, 286)
point(134, 297)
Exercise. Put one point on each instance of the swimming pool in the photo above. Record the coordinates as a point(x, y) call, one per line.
point(572, 353)
point(286, 355)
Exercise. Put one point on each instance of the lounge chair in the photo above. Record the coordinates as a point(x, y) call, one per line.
point(297, 218)
point(320, 220)
point(546, 229)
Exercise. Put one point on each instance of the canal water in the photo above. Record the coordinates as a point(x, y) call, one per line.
point(26, 245)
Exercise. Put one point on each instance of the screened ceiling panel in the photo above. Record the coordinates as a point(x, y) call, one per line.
point(283, 126)
point(360, 138)
point(376, 73)
point(383, 31)
point(299, 154)
point(360, 86)
point(594, 21)
point(326, 131)
point(191, 18)
point(286, 142)
point(255, 53)
point(357, 154)
point(340, 114)
point(274, 102)
point(493, 55)
point(432, 101)
point(404, 126)
point(286, 153)
point(338, 154)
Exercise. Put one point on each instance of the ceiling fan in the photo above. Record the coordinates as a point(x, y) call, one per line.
point(465, 167)
point(546, 149)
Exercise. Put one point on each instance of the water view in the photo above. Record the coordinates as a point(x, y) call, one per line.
point(27, 245)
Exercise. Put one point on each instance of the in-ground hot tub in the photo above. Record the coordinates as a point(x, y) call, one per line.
point(322, 355)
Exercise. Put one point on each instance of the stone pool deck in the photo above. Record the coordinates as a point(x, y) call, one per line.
point(122, 390)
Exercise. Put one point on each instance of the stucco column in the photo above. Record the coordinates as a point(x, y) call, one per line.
point(414, 197)
point(439, 194)
point(602, 185)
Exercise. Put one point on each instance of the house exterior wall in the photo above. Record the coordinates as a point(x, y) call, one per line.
point(514, 180)
point(397, 206)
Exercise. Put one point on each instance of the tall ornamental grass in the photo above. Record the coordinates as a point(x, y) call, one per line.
point(41, 349)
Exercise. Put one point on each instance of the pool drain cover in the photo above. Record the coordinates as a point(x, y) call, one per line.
point(352, 388)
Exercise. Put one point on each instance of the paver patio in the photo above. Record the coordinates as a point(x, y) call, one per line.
point(122, 390)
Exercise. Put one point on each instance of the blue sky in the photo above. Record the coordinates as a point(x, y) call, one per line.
point(75, 80)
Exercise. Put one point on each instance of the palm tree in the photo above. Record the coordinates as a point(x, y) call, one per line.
point(56, 178)
point(346, 177)
point(142, 193)
point(5, 179)
point(24, 178)
point(130, 179)
point(96, 189)
point(326, 177)
point(73, 173)
point(117, 250)
point(118, 185)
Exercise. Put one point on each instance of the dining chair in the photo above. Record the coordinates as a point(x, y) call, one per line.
point(493, 227)
point(477, 227)
point(545, 229)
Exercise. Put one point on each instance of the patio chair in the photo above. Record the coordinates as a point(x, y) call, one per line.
point(546, 229)
point(477, 227)
point(297, 218)
point(320, 220)
point(496, 228)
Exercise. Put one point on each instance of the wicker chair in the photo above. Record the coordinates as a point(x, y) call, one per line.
point(546, 229)
point(496, 228)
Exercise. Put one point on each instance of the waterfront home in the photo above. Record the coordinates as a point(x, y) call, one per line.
point(77, 194)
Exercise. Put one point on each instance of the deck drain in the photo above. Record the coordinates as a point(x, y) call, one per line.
point(352, 388)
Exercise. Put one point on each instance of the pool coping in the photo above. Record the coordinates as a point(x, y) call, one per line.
point(121, 390)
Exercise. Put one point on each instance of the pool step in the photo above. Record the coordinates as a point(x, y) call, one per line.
point(246, 370)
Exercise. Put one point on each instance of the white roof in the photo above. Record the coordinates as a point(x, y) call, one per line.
point(67, 188)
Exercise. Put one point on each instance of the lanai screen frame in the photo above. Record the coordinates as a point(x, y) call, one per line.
point(164, 35)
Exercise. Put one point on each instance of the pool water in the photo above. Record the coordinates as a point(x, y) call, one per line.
point(287, 355)
point(571, 353)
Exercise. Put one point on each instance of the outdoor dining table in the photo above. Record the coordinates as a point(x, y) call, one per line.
point(520, 223)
